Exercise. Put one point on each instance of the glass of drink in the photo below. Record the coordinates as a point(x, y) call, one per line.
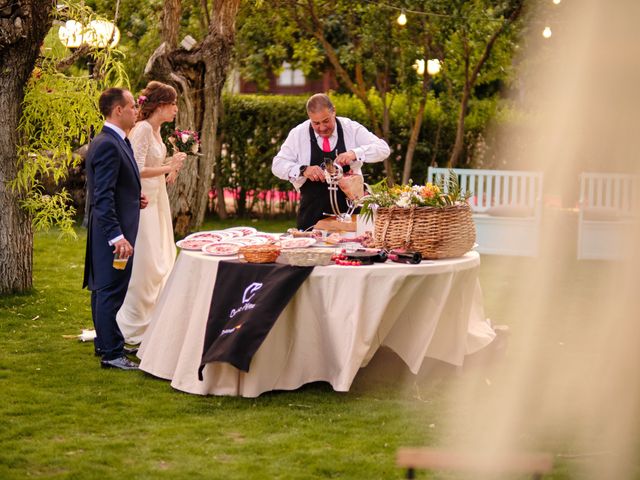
point(119, 263)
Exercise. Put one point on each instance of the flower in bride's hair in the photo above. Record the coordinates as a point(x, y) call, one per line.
point(142, 99)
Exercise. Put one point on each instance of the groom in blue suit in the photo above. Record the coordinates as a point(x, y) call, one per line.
point(115, 199)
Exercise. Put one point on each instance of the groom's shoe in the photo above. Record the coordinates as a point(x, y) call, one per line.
point(121, 363)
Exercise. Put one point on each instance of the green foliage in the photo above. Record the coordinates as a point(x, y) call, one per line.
point(139, 24)
point(59, 114)
point(370, 46)
point(48, 211)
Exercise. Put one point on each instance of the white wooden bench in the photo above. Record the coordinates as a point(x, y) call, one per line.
point(608, 212)
point(506, 206)
point(474, 464)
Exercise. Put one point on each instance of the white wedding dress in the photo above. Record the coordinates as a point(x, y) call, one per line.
point(155, 251)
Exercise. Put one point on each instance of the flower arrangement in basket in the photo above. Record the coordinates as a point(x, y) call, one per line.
point(186, 141)
point(433, 219)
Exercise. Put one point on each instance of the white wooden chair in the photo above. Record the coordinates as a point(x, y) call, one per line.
point(608, 212)
point(506, 206)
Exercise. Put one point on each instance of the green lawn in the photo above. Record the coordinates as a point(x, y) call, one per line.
point(61, 416)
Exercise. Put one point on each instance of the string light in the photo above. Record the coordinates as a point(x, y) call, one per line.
point(556, 2)
point(71, 33)
point(402, 18)
point(99, 33)
point(546, 33)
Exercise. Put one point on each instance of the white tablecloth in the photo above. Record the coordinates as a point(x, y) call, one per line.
point(332, 327)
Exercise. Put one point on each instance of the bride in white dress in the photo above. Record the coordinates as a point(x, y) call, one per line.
point(155, 250)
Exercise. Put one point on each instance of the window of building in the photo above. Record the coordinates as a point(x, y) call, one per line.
point(289, 77)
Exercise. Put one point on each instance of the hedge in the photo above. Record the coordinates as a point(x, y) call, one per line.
point(254, 127)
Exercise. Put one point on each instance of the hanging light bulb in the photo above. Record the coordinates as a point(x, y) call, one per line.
point(433, 67)
point(402, 18)
point(546, 33)
point(556, 2)
point(101, 33)
point(419, 66)
point(70, 34)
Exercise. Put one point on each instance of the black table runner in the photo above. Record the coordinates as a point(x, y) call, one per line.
point(246, 302)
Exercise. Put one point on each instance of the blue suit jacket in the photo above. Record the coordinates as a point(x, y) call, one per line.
point(113, 187)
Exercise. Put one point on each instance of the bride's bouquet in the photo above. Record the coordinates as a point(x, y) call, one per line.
point(186, 141)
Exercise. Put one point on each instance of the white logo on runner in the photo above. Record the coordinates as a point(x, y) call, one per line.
point(250, 291)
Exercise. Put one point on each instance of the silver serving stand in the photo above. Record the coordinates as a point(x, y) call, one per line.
point(333, 173)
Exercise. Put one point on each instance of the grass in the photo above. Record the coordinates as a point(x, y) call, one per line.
point(64, 417)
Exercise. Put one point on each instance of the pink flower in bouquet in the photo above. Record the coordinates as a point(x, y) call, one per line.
point(186, 141)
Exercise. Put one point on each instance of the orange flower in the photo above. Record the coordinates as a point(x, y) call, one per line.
point(429, 191)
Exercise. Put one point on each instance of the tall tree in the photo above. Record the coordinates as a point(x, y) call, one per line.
point(358, 41)
point(369, 52)
point(199, 74)
point(23, 26)
point(422, 28)
point(480, 28)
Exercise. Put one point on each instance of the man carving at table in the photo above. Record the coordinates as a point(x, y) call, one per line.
point(323, 136)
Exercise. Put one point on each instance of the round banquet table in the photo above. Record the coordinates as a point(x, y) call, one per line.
point(332, 326)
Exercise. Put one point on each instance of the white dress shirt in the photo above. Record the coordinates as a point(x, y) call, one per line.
point(296, 149)
point(116, 129)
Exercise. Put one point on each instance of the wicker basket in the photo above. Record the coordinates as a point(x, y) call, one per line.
point(435, 232)
point(307, 257)
point(260, 253)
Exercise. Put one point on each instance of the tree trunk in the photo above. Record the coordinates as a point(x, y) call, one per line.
point(23, 26)
point(217, 49)
point(171, 21)
point(413, 141)
point(199, 75)
point(415, 130)
point(472, 77)
point(458, 145)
